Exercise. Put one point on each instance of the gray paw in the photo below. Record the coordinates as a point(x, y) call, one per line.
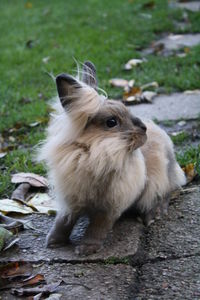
point(87, 249)
point(55, 241)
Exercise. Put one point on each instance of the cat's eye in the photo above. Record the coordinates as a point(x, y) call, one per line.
point(111, 122)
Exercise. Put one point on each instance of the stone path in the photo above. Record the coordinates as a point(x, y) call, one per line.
point(170, 107)
point(176, 41)
point(191, 6)
point(136, 263)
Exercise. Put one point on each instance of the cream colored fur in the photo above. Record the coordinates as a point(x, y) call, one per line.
point(94, 169)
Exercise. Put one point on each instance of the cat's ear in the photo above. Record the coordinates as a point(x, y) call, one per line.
point(89, 74)
point(67, 89)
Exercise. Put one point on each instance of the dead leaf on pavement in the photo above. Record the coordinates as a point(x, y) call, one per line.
point(16, 269)
point(9, 205)
point(10, 244)
point(45, 290)
point(33, 280)
point(31, 178)
point(43, 203)
point(13, 224)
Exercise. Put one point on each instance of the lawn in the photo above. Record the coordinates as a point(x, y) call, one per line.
point(41, 37)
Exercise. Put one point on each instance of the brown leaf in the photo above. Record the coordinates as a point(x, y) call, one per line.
point(190, 172)
point(33, 280)
point(132, 93)
point(20, 193)
point(15, 269)
point(45, 290)
point(149, 5)
point(31, 178)
point(28, 5)
point(14, 225)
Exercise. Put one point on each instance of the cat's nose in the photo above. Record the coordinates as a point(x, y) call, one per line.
point(137, 122)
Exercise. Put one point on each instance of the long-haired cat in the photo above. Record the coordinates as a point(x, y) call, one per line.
point(102, 160)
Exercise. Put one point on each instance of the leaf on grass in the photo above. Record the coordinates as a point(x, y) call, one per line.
point(45, 290)
point(16, 269)
point(28, 5)
point(190, 172)
point(31, 178)
point(149, 5)
point(133, 63)
point(148, 85)
point(5, 235)
point(118, 82)
point(133, 94)
point(3, 154)
point(42, 202)
point(9, 205)
point(46, 59)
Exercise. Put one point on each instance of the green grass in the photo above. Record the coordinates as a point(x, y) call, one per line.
point(180, 138)
point(191, 155)
point(109, 33)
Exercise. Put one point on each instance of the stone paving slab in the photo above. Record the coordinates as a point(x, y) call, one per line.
point(176, 41)
point(170, 107)
point(123, 241)
point(171, 279)
point(191, 5)
point(178, 235)
point(88, 281)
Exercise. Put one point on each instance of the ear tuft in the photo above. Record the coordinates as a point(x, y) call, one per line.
point(66, 86)
point(89, 74)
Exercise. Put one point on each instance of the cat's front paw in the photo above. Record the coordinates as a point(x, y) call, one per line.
point(53, 241)
point(87, 249)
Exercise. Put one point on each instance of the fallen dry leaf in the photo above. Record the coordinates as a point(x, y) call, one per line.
point(16, 269)
point(33, 280)
point(10, 244)
point(133, 63)
point(5, 235)
point(148, 96)
point(13, 224)
point(148, 85)
point(28, 5)
point(190, 172)
point(31, 178)
point(3, 154)
point(43, 203)
point(45, 290)
point(9, 205)
point(118, 82)
point(46, 59)
point(20, 193)
point(149, 5)
point(133, 94)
